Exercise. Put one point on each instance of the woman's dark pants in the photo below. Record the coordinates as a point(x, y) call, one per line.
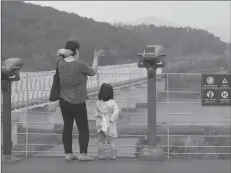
point(77, 112)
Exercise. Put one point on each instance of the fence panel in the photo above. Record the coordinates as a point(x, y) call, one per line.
point(185, 128)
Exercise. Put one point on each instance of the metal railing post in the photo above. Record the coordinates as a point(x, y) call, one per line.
point(98, 84)
point(27, 105)
point(129, 73)
point(167, 88)
point(168, 140)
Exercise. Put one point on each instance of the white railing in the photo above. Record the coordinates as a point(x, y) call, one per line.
point(35, 87)
point(189, 145)
point(180, 101)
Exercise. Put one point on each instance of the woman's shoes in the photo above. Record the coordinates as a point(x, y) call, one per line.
point(85, 157)
point(70, 156)
point(81, 157)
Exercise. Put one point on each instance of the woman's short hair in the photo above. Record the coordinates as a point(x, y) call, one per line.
point(106, 92)
point(72, 45)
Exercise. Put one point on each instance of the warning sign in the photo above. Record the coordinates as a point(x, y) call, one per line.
point(210, 94)
point(216, 89)
point(224, 81)
point(224, 94)
point(210, 80)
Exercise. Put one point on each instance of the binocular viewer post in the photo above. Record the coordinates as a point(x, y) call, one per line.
point(151, 59)
point(10, 69)
point(9, 73)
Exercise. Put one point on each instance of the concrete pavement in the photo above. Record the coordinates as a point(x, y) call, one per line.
point(121, 165)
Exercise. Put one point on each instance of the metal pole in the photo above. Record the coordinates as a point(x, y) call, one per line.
point(7, 142)
point(98, 84)
point(168, 140)
point(167, 88)
point(27, 105)
point(152, 107)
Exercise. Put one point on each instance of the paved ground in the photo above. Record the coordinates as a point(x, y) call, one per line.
point(121, 165)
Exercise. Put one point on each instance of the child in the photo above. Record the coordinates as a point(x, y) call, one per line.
point(106, 114)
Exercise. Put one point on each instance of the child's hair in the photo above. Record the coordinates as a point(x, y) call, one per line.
point(106, 92)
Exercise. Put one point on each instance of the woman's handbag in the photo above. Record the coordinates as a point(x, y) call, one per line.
point(55, 89)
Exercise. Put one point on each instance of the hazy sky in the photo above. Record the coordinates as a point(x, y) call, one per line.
point(211, 15)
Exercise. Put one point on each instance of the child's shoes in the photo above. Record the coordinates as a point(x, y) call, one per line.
point(101, 154)
point(113, 155)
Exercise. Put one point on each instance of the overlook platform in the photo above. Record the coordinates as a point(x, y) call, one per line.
point(121, 165)
point(185, 127)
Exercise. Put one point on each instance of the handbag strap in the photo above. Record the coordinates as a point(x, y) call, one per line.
point(57, 70)
point(57, 66)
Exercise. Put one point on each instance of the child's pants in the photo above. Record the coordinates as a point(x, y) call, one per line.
point(101, 139)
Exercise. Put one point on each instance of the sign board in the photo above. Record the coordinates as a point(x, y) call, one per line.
point(216, 89)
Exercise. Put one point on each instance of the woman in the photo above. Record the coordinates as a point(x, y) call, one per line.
point(73, 93)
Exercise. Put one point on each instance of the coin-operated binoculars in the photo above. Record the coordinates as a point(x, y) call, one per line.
point(151, 59)
point(10, 72)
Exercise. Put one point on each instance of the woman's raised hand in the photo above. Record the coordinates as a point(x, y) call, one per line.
point(99, 53)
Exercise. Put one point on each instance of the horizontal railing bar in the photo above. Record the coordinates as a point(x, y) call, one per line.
point(94, 145)
point(200, 146)
point(46, 102)
point(184, 146)
point(88, 101)
point(164, 91)
point(182, 74)
point(131, 113)
point(180, 125)
point(177, 113)
point(93, 99)
point(158, 91)
point(177, 102)
point(99, 72)
point(202, 136)
point(199, 153)
point(224, 125)
point(31, 151)
point(59, 134)
point(24, 74)
point(51, 123)
point(162, 135)
point(125, 152)
point(76, 151)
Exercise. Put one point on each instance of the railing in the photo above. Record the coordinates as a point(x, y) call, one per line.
point(185, 145)
point(185, 127)
point(34, 88)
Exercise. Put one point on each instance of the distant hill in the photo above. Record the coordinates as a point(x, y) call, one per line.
point(221, 31)
point(151, 20)
point(182, 41)
point(35, 33)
